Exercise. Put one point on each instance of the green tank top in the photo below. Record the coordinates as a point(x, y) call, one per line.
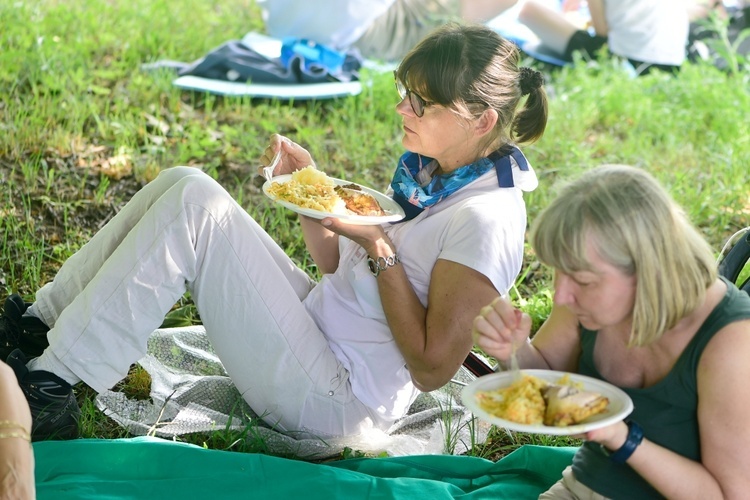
point(667, 411)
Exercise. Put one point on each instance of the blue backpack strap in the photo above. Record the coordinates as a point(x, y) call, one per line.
point(733, 262)
point(504, 167)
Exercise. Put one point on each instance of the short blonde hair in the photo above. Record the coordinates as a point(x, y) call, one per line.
point(639, 229)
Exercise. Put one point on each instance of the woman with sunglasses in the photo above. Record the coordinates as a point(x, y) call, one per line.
point(392, 313)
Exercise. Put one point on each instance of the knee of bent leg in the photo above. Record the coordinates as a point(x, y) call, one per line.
point(200, 189)
point(187, 184)
point(173, 174)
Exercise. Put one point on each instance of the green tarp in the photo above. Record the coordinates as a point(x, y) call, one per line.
point(152, 468)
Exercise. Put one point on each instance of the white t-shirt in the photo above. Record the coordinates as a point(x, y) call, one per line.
point(654, 31)
point(335, 23)
point(480, 226)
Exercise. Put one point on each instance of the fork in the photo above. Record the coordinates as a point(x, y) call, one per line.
point(268, 171)
point(514, 368)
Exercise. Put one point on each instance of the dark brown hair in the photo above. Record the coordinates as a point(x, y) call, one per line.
point(468, 68)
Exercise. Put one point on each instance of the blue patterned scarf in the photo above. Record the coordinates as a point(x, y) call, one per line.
point(414, 187)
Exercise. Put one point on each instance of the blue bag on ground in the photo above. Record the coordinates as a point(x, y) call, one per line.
point(302, 63)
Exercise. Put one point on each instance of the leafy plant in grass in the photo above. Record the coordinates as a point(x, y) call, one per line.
point(726, 50)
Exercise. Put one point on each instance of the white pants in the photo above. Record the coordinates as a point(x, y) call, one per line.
point(403, 25)
point(181, 232)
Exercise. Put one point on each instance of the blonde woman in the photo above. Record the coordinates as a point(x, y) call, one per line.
point(638, 304)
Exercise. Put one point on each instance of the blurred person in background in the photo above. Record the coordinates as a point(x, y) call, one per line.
point(649, 34)
point(379, 29)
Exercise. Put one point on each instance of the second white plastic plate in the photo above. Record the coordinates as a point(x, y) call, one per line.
point(620, 404)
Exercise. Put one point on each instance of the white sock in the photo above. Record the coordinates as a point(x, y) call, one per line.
point(49, 362)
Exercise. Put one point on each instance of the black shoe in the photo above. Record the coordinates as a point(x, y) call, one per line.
point(21, 332)
point(54, 409)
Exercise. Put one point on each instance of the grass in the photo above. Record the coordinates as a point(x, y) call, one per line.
point(83, 128)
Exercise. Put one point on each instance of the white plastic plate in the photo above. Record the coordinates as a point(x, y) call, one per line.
point(393, 210)
point(620, 404)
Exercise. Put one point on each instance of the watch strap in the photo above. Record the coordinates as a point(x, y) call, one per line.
point(380, 264)
point(635, 436)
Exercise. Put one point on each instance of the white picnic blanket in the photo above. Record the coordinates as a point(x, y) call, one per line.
point(191, 392)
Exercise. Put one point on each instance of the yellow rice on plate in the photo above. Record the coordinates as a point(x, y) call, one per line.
point(520, 402)
point(309, 188)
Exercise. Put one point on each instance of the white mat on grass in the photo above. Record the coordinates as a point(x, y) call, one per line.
point(271, 48)
point(287, 92)
point(191, 393)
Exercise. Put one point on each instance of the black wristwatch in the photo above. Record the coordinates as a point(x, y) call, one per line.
point(635, 436)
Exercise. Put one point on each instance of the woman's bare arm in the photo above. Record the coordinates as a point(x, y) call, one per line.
point(16, 453)
point(598, 17)
point(321, 243)
point(434, 340)
point(723, 407)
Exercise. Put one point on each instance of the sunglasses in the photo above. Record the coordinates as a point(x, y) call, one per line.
point(415, 100)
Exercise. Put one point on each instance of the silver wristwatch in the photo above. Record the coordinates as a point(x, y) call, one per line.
point(380, 264)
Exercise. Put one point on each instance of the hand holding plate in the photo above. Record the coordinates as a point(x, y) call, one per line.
point(364, 235)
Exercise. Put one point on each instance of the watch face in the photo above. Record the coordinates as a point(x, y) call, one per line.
point(373, 266)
